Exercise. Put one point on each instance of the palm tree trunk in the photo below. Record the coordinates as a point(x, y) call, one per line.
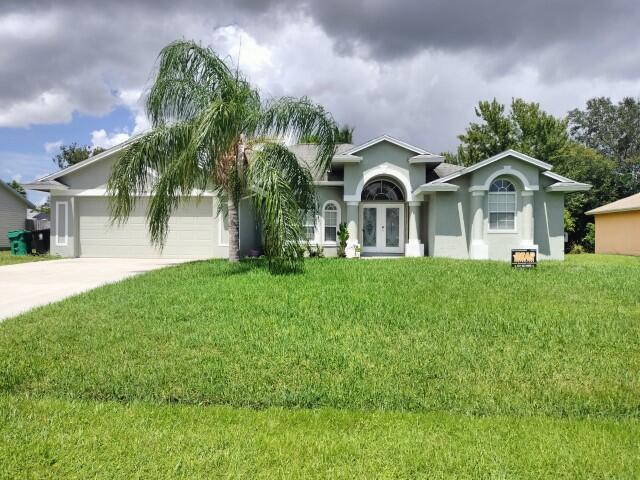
point(234, 230)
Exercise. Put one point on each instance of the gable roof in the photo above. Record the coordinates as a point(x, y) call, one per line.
point(95, 158)
point(386, 138)
point(626, 204)
point(495, 158)
point(563, 184)
point(17, 195)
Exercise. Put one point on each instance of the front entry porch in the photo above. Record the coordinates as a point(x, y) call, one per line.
point(384, 228)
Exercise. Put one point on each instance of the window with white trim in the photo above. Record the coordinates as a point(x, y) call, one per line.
point(502, 205)
point(330, 216)
point(309, 229)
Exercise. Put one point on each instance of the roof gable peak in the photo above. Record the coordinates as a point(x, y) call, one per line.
point(388, 139)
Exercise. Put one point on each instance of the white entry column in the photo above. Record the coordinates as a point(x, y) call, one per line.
point(352, 227)
point(527, 219)
point(479, 249)
point(414, 248)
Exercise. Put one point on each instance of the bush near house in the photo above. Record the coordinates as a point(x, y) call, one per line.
point(387, 368)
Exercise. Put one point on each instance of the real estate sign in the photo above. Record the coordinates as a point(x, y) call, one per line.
point(524, 257)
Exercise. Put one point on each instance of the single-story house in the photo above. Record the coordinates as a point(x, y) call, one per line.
point(13, 212)
point(396, 198)
point(618, 226)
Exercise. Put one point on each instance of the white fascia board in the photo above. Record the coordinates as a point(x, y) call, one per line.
point(427, 159)
point(342, 158)
point(50, 186)
point(386, 138)
point(436, 187)
point(568, 187)
point(102, 192)
point(329, 183)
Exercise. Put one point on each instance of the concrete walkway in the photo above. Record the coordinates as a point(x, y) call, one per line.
point(28, 285)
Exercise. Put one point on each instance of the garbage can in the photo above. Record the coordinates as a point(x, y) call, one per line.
point(40, 240)
point(20, 242)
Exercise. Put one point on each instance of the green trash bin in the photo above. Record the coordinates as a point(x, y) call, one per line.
point(20, 242)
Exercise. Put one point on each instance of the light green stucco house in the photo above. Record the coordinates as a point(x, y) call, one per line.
point(396, 198)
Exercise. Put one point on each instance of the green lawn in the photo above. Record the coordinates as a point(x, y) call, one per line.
point(423, 367)
point(7, 259)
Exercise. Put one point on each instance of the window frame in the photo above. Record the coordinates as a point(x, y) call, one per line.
point(515, 207)
point(314, 223)
point(59, 242)
point(338, 211)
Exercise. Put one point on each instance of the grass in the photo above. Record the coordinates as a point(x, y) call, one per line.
point(449, 366)
point(7, 259)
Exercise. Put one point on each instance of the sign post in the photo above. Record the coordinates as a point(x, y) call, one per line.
point(524, 257)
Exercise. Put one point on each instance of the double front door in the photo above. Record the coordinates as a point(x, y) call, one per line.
point(382, 227)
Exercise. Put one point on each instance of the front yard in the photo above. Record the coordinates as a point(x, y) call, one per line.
point(389, 368)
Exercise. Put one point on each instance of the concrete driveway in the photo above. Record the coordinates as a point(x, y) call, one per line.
point(28, 285)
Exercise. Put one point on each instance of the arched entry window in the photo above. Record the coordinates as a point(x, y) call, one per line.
point(382, 190)
point(502, 205)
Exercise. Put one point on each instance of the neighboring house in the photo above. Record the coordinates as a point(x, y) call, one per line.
point(38, 220)
point(618, 226)
point(396, 198)
point(13, 212)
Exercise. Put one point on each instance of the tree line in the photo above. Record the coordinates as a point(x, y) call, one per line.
point(599, 145)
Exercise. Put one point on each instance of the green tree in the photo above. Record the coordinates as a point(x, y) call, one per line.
point(525, 127)
point(344, 134)
point(584, 164)
point(208, 121)
point(18, 188)
point(74, 153)
point(613, 131)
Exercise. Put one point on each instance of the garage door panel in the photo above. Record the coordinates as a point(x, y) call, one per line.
point(192, 231)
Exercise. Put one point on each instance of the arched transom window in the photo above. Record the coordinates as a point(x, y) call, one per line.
point(502, 205)
point(382, 190)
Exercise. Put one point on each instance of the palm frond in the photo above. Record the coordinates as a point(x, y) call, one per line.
point(189, 76)
point(282, 192)
point(298, 118)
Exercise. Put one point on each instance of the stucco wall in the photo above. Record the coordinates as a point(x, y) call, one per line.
point(378, 155)
point(618, 233)
point(13, 214)
point(449, 222)
point(449, 216)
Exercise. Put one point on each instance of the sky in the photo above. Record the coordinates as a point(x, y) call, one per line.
point(78, 70)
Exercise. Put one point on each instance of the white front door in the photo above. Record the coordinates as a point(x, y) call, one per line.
point(382, 227)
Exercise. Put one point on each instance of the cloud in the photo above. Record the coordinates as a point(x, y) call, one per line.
point(100, 138)
point(412, 68)
point(52, 147)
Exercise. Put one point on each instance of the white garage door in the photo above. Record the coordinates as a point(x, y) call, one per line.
point(191, 231)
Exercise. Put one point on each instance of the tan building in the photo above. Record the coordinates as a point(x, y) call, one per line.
point(618, 226)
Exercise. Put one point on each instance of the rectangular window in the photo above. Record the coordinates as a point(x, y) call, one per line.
point(330, 225)
point(62, 224)
point(502, 211)
point(309, 229)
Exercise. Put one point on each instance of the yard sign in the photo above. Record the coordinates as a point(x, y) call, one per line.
point(524, 257)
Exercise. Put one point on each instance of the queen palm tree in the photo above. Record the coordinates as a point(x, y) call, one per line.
point(211, 130)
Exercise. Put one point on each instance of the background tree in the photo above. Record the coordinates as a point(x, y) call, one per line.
point(208, 121)
point(74, 153)
point(613, 131)
point(528, 129)
point(18, 188)
point(525, 128)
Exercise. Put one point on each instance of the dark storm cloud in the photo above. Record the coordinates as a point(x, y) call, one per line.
point(80, 52)
point(591, 37)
